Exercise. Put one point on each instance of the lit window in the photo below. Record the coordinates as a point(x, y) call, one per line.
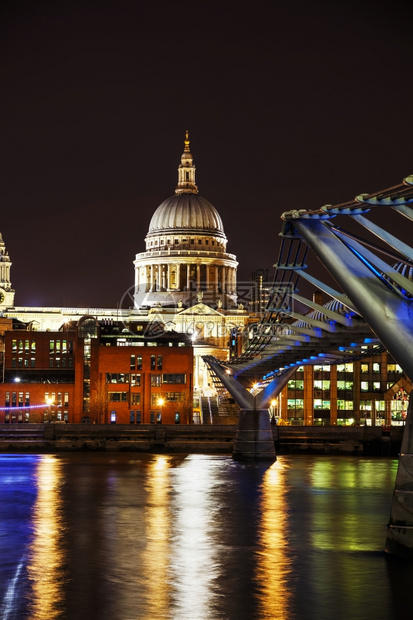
point(136, 398)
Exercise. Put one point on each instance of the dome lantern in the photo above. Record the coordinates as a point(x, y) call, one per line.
point(186, 171)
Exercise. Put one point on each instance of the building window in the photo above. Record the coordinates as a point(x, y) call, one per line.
point(132, 362)
point(376, 386)
point(33, 346)
point(14, 345)
point(136, 398)
point(117, 377)
point(153, 362)
point(7, 399)
point(174, 378)
point(51, 346)
point(344, 385)
point(364, 368)
point(139, 362)
point(27, 346)
point(27, 399)
point(376, 367)
point(365, 405)
point(155, 397)
point(174, 396)
point(51, 362)
point(364, 386)
point(118, 397)
point(156, 380)
point(321, 385)
point(159, 363)
point(295, 403)
point(321, 404)
point(20, 362)
point(344, 367)
point(135, 379)
point(345, 404)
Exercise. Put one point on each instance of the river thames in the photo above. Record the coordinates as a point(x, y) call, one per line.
point(198, 537)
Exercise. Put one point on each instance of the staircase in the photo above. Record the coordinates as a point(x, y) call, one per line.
point(209, 408)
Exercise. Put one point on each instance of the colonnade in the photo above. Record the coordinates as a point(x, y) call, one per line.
point(185, 276)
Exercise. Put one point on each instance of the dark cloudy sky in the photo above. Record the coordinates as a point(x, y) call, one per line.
point(289, 105)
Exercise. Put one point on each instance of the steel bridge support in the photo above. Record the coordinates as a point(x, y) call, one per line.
point(254, 437)
point(390, 316)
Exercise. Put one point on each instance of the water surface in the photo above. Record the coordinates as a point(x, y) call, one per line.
point(130, 536)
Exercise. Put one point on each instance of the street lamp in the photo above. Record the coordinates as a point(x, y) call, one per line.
point(273, 403)
point(161, 402)
point(50, 401)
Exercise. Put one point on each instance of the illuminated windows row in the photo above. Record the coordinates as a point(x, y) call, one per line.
point(57, 398)
point(61, 346)
point(122, 397)
point(17, 399)
point(26, 346)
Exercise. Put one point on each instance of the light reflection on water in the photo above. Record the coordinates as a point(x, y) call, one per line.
point(273, 566)
point(131, 537)
point(45, 570)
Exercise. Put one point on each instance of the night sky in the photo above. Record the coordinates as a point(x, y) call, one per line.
point(289, 105)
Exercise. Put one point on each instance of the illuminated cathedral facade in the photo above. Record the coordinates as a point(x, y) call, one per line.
point(185, 283)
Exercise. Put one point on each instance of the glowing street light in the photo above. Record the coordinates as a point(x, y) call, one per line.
point(161, 402)
point(50, 402)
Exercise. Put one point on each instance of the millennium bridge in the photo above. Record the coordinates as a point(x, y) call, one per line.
point(368, 279)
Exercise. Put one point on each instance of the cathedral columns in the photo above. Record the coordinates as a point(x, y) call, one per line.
point(198, 277)
point(164, 283)
point(151, 270)
point(188, 277)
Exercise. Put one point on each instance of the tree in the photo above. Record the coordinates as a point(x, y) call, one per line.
point(99, 402)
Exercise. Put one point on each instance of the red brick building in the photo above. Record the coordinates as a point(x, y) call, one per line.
point(97, 373)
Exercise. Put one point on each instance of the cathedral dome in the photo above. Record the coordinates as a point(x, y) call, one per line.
point(184, 212)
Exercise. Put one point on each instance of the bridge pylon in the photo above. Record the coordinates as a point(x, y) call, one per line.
point(399, 539)
point(254, 437)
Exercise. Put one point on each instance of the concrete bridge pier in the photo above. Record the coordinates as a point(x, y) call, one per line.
point(399, 540)
point(254, 439)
